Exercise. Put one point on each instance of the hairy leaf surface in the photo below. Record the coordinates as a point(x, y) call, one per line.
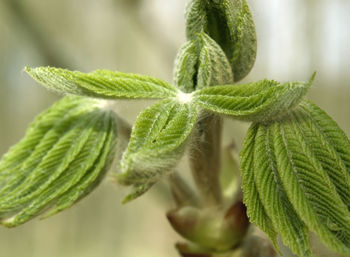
point(258, 101)
point(201, 63)
point(255, 209)
point(230, 24)
point(214, 68)
point(185, 71)
point(301, 178)
point(157, 142)
point(102, 83)
point(67, 143)
point(137, 191)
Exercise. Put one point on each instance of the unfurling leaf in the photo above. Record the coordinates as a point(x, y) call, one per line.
point(185, 71)
point(201, 63)
point(296, 179)
point(230, 24)
point(213, 68)
point(258, 101)
point(102, 83)
point(63, 156)
point(157, 143)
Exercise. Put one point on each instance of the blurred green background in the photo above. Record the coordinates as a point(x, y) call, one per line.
point(295, 38)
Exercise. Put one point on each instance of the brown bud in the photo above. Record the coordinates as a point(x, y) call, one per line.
point(211, 228)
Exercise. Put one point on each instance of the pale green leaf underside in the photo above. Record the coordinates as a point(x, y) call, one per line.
point(258, 101)
point(157, 142)
point(295, 172)
point(102, 83)
point(54, 166)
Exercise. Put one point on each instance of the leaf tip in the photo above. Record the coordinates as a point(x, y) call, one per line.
point(32, 72)
point(27, 69)
point(313, 76)
point(127, 199)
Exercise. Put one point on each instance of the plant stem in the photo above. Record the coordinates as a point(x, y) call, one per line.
point(183, 194)
point(205, 159)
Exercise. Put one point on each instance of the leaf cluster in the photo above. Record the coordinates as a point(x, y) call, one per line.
point(295, 161)
point(160, 134)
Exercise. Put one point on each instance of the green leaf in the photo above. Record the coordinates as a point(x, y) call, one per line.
point(55, 158)
point(292, 230)
point(242, 55)
point(334, 156)
point(214, 68)
point(230, 24)
point(137, 191)
point(201, 63)
point(102, 83)
point(157, 142)
point(301, 177)
point(93, 176)
point(185, 71)
point(258, 101)
point(251, 198)
point(196, 18)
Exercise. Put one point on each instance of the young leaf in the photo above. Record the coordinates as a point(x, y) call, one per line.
point(196, 18)
point(185, 71)
point(230, 24)
point(157, 143)
point(55, 158)
point(102, 83)
point(292, 230)
point(301, 177)
point(214, 68)
point(242, 55)
point(137, 191)
point(201, 63)
point(93, 176)
point(255, 209)
point(259, 101)
point(334, 157)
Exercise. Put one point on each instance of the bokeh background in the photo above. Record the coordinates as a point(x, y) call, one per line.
point(295, 38)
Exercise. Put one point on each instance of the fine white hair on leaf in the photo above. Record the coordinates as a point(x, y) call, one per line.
point(106, 105)
point(183, 97)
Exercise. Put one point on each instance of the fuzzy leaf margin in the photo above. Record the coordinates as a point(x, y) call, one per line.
point(157, 143)
point(185, 67)
point(213, 66)
point(102, 83)
point(201, 63)
point(257, 101)
point(296, 179)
